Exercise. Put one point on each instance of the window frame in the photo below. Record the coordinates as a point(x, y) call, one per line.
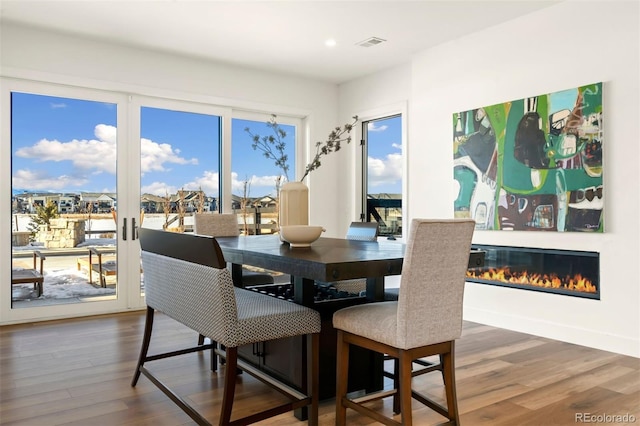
point(361, 163)
point(129, 134)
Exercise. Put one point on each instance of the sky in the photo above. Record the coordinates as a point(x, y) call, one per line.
point(69, 145)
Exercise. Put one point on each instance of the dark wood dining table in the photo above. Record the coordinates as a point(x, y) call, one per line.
point(327, 260)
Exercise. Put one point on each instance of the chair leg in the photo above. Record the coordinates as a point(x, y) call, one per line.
point(342, 374)
point(314, 385)
point(396, 386)
point(214, 357)
point(148, 326)
point(229, 385)
point(405, 362)
point(448, 373)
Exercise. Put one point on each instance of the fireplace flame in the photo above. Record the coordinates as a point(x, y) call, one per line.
point(505, 275)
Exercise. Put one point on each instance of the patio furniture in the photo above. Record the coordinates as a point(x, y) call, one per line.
point(426, 320)
point(33, 275)
point(100, 261)
point(186, 278)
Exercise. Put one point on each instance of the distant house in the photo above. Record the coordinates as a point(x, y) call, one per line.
point(95, 202)
point(67, 203)
point(150, 203)
point(28, 202)
point(251, 203)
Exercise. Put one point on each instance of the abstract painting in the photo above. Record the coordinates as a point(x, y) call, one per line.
point(532, 164)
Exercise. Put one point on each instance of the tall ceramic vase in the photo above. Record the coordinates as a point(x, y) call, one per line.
point(294, 204)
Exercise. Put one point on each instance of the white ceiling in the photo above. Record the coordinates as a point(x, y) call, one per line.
point(282, 36)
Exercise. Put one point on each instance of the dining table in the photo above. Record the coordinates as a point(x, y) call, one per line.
point(325, 260)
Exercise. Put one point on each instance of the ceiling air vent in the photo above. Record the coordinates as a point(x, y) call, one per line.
point(371, 41)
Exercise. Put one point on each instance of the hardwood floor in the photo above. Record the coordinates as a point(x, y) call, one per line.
point(78, 372)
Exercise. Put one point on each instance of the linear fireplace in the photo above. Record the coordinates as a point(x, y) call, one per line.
point(568, 272)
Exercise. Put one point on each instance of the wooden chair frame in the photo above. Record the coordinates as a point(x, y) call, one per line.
point(402, 380)
point(425, 321)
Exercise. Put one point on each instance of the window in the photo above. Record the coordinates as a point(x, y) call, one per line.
point(382, 174)
point(256, 180)
point(179, 164)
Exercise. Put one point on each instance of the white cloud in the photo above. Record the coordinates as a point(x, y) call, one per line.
point(385, 171)
point(56, 106)
point(158, 188)
point(99, 155)
point(96, 155)
point(153, 156)
point(260, 185)
point(372, 127)
point(208, 181)
point(42, 181)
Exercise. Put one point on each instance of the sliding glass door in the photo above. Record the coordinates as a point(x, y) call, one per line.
point(179, 152)
point(82, 170)
point(67, 148)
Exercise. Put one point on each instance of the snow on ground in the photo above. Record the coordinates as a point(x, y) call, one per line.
point(62, 284)
point(62, 280)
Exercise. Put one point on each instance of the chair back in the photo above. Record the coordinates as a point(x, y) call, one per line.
point(363, 231)
point(216, 225)
point(433, 279)
point(185, 277)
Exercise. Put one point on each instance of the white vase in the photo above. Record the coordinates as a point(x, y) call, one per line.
point(294, 204)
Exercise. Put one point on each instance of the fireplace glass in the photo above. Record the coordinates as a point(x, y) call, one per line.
point(567, 272)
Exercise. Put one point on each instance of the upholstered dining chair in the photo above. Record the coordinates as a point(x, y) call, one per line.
point(186, 278)
point(424, 321)
point(358, 231)
point(362, 231)
point(226, 225)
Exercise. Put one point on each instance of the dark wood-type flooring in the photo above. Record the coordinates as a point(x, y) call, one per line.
point(78, 372)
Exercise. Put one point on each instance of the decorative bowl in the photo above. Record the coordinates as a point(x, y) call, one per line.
point(300, 235)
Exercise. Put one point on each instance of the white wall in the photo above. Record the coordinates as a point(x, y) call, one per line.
point(561, 47)
point(34, 54)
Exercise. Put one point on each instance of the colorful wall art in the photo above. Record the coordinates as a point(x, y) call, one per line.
point(532, 164)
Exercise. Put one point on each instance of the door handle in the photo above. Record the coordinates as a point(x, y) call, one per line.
point(124, 229)
point(134, 229)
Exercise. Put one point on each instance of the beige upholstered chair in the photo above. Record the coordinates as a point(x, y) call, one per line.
point(226, 225)
point(425, 321)
point(362, 231)
point(358, 231)
point(186, 278)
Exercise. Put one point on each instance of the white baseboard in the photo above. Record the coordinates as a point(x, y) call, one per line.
point(539, 327)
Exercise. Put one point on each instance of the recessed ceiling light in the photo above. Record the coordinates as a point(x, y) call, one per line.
point(330, 42)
